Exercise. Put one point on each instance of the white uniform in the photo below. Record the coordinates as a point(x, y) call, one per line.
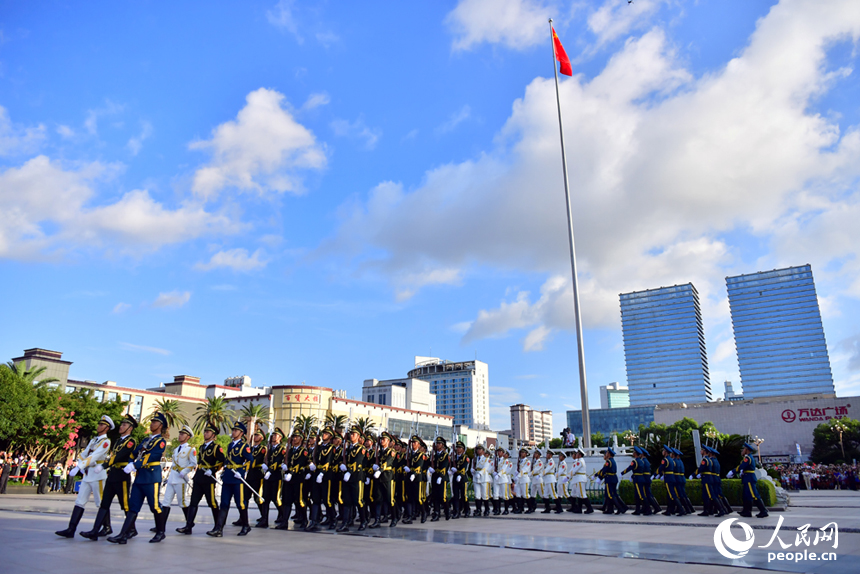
point(90, 462)
point(549, 479)
point(480, 477)
point(184, 461)
point(578, 478)
point(537, 477)
point(521, 487)
point(564, 468)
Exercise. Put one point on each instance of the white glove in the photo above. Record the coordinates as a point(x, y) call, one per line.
point(319, 478)
point(208, 472)
point(284, 467)
point(343, 468)
point(97, 468)
point(265, 467)
point(412, 478)
point(366, 481)
point(430, 470)
point(267, 475)
point(237, 474)
point(74, 471)
point(129, 468)
point(406, 469)
point(439, 480)
point(307, 476)
point(376, 474)
point(730, 474)
point(459, 478)
point(346, 476)
point(375, 467)
point(313, 467)
point(288, 477)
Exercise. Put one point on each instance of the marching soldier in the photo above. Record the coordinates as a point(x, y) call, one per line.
point(746, 470)
point(238, 459)
point(383, 471)
point(321, 460)
point(521, 482)
point(459, 481)
point(548, 485)
point(416, 473)
point(609, 475)
point(439, 466)
point(480, 476)
point(578, 481)
point(295, 467)
point(211, 459)
point(272, 483)
point(184, 462)
point(118, 483)
point(353, 481)
point(147, 483)
point(90, 462)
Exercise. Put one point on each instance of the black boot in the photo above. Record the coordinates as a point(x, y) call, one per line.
point(161, 525)
point(588, 508)
point(94, 533)
point(243, 518)
point(762, 511)
point(127, 527)
point(77, 513)
point(218, 530)
point(190, 515)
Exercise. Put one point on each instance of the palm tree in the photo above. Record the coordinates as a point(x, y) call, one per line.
point(215, 412)
point(172, 411)
point(304, 423)
point(258, 413)
point(337, 422)
point(29, 376)
point(365, 424)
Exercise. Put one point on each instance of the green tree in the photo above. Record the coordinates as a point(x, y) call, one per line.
point(825, 442)
point(216, 412)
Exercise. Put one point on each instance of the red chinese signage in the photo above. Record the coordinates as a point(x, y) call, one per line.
point(815, 414)
point(302, 398)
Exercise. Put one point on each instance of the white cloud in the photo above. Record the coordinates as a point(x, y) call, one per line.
point(454, 120)
point(358, 130)
point(235, 259)
point(316, 100)
point(264, 149)
point(120, 308)
point(172, 300)
point(144, 348)
point(664, 167)
point(517, 24)
point(15, 140)
point(48, 208)
point(281, 16)
point(136, 143)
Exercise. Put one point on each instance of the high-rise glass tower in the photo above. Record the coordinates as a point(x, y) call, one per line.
point(664, 346)
point(778, 333)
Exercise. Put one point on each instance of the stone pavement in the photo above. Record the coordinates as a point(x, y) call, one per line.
point(551, 543)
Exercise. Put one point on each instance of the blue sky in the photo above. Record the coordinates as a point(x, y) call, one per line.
point(319, 191)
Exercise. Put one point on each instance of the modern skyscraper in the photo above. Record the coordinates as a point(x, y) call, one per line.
point(778, 333)
point(462, 389)
point(614, 396)
point(664, 346)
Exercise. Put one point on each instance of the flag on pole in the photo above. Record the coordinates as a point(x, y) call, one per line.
point(560, 55)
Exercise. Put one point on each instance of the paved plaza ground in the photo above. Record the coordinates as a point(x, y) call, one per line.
point(534, 544)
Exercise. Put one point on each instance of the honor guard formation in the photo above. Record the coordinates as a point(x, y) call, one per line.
point(327, 480)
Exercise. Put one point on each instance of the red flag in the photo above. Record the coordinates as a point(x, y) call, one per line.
point(561, 55)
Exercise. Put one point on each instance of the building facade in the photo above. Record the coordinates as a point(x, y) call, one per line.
point(609, 421)
point(530, 427)
point(778, 333)
point(412, 394)
point(664, 346)
point(462, 389)
point(614, 396)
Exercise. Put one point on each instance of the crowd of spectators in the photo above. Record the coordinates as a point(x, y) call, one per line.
point(817, 476)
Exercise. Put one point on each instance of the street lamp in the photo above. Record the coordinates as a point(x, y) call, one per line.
point(838, 427)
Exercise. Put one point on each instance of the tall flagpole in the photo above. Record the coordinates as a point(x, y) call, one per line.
point(583, 387)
